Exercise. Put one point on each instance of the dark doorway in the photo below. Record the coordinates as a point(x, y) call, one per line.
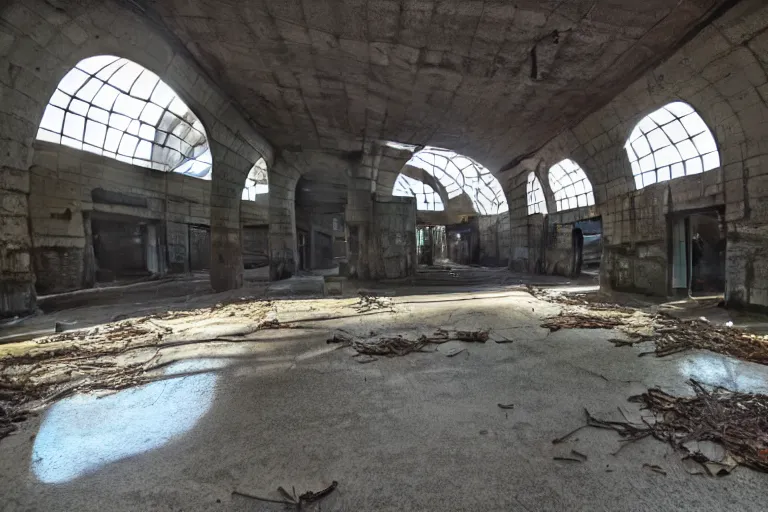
point(302, 242)
point(123, 247)
point(577, 251)
point(697, 253)
point(199, 247)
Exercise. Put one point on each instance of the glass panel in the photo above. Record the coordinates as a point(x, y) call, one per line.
point(662, 174)
point(647, 164)
point(711, 161)
point(641, 147)
point(658, 139)
point(705, 143)
point(106, 97)
point(74, 126)
point(693, 166)
point(89, 90)
point(72, 81)
point(112, 141)
point(675, 131)
point(95, 133)
point(678, 170)
point(667, 156)
point(649, 178)
point(679, 108)
point(687, 149)
point(53, 119)
point(99, 115)
point(49, 136)
point(694, 125)
point(60, 99)
point(662, 116)
point(144, 85)
point(93, 65)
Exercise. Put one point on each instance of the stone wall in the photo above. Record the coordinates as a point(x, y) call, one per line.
point(723, 74)
point(68, 188)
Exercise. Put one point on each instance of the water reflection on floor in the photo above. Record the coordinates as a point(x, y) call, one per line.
point(82, 433)
point(719, 370)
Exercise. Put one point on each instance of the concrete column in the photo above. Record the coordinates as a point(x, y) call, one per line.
point(17, 277)
point(228, 178)
point(283, 256)
point(359, 213)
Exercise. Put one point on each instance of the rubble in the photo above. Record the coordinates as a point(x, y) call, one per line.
point(399, 345)
point(579, 321)
point(716, 428)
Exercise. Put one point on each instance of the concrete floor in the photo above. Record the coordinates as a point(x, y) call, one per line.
point(419, 432)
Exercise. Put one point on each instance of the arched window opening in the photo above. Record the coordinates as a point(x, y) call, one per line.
point(669, 143)
point(459, 174)
point(426, 197)
point(536, 202)
point(257, 181)
point(570, 185)
point(114, 107)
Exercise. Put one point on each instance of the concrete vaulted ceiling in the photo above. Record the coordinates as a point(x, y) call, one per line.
point(493, 80)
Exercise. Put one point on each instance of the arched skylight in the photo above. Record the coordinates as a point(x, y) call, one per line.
point(426, 197)
point(570, 185)
point(459, 174)
point(536, 202)
point(116, 108)
point(257, 181)
point(671, 142)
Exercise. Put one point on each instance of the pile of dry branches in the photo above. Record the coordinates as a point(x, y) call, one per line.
point(738, 422)
point(590, 300)
point(400, 346)
point(673, 335)
point(580, 321)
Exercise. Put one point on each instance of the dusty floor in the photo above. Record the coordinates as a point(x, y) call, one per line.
point(418, 432)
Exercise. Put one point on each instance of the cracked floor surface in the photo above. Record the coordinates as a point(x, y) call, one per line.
point(419, 432)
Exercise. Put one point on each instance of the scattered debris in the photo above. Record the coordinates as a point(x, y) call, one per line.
point(292, 499)
point(506, 406)
point(716, 428)
point(573, 457)
point(674, 335)
point(578, 455)
point(655, 469)
point(370, 301)
point(455, 352)
point(618, 342)
point(579, 321)
point(399, 346)
point(590, 300)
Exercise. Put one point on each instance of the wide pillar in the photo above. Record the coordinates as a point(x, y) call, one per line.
point(228, 178)
point(359, 212)
point(17, 277)
point(283, 256)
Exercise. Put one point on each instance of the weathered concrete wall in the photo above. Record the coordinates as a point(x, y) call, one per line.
point(67, 184)
point(39, 44)
point(723, 74)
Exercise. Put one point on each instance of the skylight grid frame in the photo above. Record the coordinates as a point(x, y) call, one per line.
point(180, 143)
point(570, 186)
point(671, 142)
